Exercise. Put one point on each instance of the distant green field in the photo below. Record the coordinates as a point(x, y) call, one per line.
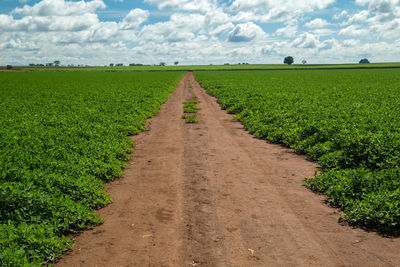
point(252, 67)
point(346, 120)
point(62, 135)
point(221, 67)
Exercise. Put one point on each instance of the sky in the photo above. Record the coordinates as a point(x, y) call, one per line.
point(201, 32)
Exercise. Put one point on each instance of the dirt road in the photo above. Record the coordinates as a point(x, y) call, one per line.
point(209, 194)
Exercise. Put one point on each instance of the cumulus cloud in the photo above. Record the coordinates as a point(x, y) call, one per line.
point(382, 18)
point(275, 10)
point(384, 10)
point(216, 17)
point(222, 29)
point(323, 32)
point(246, 32)
point(289, 4)
point(60, 8)
point(180, 27)
point(387, 30)
point(352, 30)
point(379, 6)
point(52, 16)
point(135, 18)
point(359, 17)
point(328, 44)
point(340, 15)
point(351, 42)
point(189, 5)
point(317, 23)
point(47, 23)
point(306, 40)
point(18, 43)
point(289, 31)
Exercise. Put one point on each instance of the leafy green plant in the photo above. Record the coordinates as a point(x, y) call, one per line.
point(190, 107)
point(190, 118)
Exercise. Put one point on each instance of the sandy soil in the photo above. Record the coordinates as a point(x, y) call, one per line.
point(209, 194)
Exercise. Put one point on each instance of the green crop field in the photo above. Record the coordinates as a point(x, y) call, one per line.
point(346, 120)
point(233, 67)
point(62, 135)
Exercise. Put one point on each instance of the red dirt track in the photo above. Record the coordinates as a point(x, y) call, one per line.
point(210, 194)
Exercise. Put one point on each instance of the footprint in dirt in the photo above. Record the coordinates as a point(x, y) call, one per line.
point(164, 215)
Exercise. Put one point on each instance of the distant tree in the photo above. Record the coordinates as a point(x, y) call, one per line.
point(57, 63)
point(364, 61)
point(132, 64)
point(9, 67)
point(288, 60)
point(304, 61)
point(162, 63)
point(226, 64)
point(112, 65)
point(176, 63)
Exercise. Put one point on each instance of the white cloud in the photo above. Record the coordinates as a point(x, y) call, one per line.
point(104, 32)
point(287, 4)
point(384, 10)
point(306, 40)
point(134, 18)
point(48, 23)
point(189, 5)
point(180, 27)
point(216, 17)
point(222, 29)
point(289, 31)
point(352, 30)
point(53, 16)
point(328, 44)
point(246, 32)
point(323, 32)
point(351, 42)
point(317, 23)
point(387, 30)
point(379, 6)
point(340, 15)
point(60, 8)
point(5, 21)
point(274, 10)
point(359, 17)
